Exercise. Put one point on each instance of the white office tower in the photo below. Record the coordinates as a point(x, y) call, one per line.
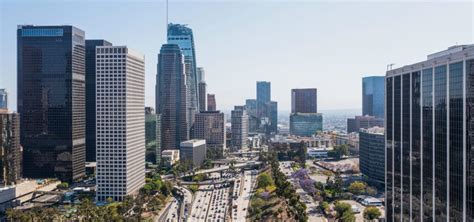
point(120, 91)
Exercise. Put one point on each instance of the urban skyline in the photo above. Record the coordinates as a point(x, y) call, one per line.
point(210, 43)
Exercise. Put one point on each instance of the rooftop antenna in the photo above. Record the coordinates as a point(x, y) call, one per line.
point(389, 66)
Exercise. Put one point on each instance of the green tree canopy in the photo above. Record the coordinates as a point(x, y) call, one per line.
point(371, 213)
point(264, 180)
point(357, 187)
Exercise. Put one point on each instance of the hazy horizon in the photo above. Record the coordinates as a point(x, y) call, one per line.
point(324, 45)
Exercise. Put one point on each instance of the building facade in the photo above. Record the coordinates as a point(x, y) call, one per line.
point(3, 99)
point(193, 151)
point(372, 155)
point(51, 101)
point(373, 96)
point(305, 124)
point(363, 122)
point(201, 75)
point(211, 102)
point(153, 150)
point(170, 157)
point(182, 36)
point(210, 126)
point(91, 96)
point(263, 98)
point(172, 97)
point(120, 122)
point(304, 100)
point(10, 149)
point(273, 107)
point(239, 128)
point(429, 138)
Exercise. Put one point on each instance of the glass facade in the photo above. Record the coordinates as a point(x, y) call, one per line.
point(91, 97)
point(305, 124)
point(429, 176)
point(3, 99)
point(51, 101)
point(372, 156)
point(304, 101)
point(373, 90)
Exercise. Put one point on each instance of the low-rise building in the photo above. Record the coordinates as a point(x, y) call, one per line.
point(193, 151)
point(372, 155)
point(169, 157)
point(318, 152)
point(363, 122)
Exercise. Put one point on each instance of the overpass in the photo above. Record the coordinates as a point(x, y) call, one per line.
point(216, 169)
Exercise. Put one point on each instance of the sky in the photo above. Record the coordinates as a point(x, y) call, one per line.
point(328, 45)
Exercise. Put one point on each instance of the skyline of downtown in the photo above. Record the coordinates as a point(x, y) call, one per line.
point(232, 77)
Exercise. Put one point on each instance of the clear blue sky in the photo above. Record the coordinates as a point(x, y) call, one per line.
point(327, 45)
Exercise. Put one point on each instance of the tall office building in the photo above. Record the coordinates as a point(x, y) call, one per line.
point(304, 100)
point(183, 37)
point(202, 89)
point(91, 96)
point(172, 97)
point(210, 126)
point(372, 155)
point(373, 91)
point(429, 138)
point(239, 128)
point(363, 122)
point(3, 99)
point(254, 122)
point(211, 102)
point(263, 98)
point(51, 101)
point(273, 115)
point(120, 122)
point(10, 150)
point(305, 124)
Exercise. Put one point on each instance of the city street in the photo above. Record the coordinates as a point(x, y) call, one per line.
point(243, 193)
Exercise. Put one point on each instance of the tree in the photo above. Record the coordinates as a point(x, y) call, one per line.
point(339, 151)
point(264, 180)
point(357, 187)
point(63, 186)
point(371, 213)
point(341, 208)
point(348, 216)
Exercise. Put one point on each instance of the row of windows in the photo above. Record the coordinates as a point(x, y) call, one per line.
point(111, 50)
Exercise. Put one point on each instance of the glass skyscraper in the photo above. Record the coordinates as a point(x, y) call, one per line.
point(3, 99)
point(305, 124)
point(304, 100)
point(182, 36)
point(263, 98)
point(373, 89)
point(429, 138)
point(51, 101)
point(172, 97)
point(91, 97)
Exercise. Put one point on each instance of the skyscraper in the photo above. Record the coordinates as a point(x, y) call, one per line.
point(372, 155)
point(429, 138)
point(305, 124)
point(10, 151)
point(251, 107)
point(304, 100)
point(51, 101)
point(120, 122)
point(239, 128)
point(210, 126)
point(3, 99)
point(172, 97)
point(373, 90)
point(263, 98)
point(273, 107)
point(211, 102)
point(202, 89)
point(182, 36)
point(91, 96)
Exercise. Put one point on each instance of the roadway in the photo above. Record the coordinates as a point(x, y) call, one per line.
point(243, 192)
point(217, 169)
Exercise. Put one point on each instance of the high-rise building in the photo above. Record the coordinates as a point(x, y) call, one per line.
point(251, 108)
point(239, 128)
point(273, 115)
point(3, 99)
point(305, 124)
point(363, 122)
point(429, 138)
point(304, 100)
point(263, 98)
point(91, 96)
point(120, 122)
point(193, 151)
point(211, 102)
point(172, 97)
point(210, 126)
point(182, 36)
point(373, 91)
point(51, 101)
point(372, 155)
point(10, 150)
point(202, 88)
point(153, 150)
